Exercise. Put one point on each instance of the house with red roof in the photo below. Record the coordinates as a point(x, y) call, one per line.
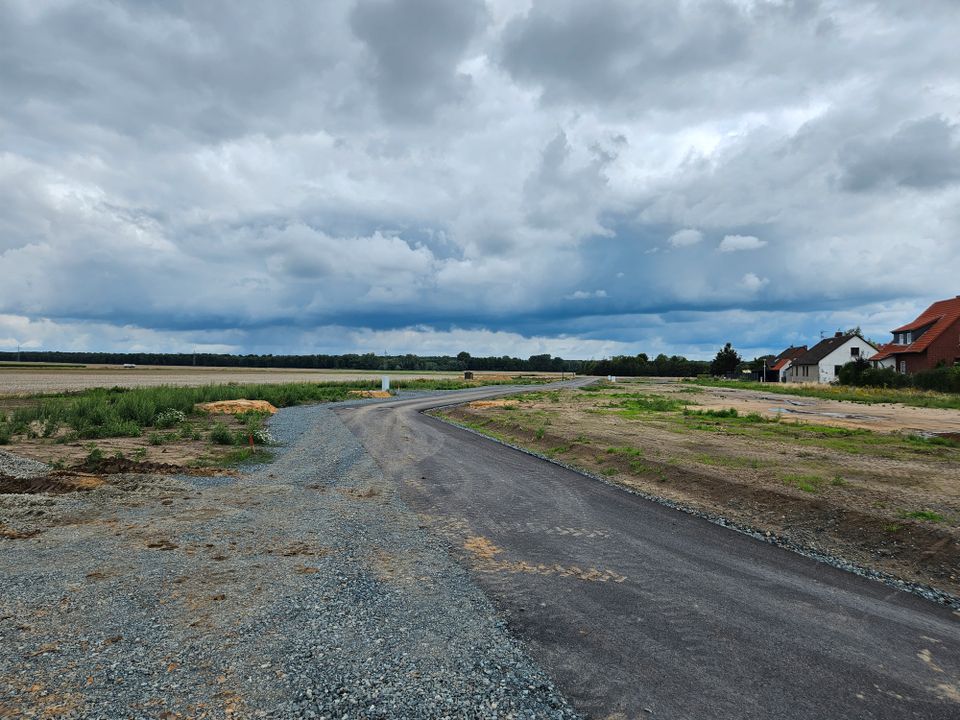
point(932, 339)
point(777, 370)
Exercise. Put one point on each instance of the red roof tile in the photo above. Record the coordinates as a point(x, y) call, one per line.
point(884, 351)
point(941, 314)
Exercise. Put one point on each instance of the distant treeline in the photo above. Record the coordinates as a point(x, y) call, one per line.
point(661, 365)
point(618, 365)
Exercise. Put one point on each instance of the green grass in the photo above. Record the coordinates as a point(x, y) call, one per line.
point(728, 461)
point(927, 515)
point(915, 398)
point(806, 483)
point(625, 450)
point(848, 440)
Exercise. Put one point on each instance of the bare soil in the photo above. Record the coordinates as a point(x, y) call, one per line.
point(879, 417)
point(25, 380)
point(876, 499)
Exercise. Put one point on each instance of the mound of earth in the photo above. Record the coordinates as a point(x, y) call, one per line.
point(235, 407)
point(370, 393)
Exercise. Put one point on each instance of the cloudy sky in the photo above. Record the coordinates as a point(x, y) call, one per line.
point(501, 177)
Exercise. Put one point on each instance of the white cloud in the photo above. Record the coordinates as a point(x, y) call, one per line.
point(736, 243)
point(586, 295)
point(688, 236)
point(752, 282)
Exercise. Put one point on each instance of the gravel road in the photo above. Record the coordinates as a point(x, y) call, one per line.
point(303, 589)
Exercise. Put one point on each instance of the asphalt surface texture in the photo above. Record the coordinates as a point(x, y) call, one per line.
point(637, 610)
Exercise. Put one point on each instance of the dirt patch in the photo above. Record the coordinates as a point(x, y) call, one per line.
point(369, 393)
point(879, 500)
point(493, 403)
point(54, 483)
point(481, 548)
point(836, 413)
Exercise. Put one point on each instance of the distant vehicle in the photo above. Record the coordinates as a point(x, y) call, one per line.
point(129, 365)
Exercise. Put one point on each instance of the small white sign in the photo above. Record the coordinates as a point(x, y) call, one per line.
point(385, 382)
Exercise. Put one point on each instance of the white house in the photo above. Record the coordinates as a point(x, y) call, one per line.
point(822, 362)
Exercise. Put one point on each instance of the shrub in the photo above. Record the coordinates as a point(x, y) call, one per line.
point(221, 435)
point(262, 436)
point(171, 417)
point(941, 379)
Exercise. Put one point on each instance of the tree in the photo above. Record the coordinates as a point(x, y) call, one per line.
point(726, 361)
point(464, 359)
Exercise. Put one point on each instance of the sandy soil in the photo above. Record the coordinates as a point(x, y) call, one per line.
point(854, 502)
point(19, 380)
point(878, 417)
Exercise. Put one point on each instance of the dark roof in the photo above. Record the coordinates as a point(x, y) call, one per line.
point(823, 348)
point(940, 317)
point(792, 353)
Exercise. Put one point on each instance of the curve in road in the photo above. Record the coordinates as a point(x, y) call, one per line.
point(638, 610)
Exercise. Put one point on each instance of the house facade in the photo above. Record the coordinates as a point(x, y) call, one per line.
point(932, 339)
point(822, 362)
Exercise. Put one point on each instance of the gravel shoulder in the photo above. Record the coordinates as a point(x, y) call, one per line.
point(304, 588)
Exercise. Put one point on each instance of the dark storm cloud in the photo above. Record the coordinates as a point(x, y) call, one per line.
point(415, 47)
point(923, 154)
point(609, 49)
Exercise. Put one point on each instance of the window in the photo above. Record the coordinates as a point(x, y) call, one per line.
point(854, 352)
point(903, 366)
point(836, 369)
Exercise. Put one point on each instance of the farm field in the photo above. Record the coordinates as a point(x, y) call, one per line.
point(872, 485)
point(20, 379)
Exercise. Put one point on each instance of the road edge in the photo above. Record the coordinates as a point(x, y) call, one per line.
point(939, 597)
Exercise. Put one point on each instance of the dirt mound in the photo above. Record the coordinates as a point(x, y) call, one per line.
point(235, 407)
point(370, 393)
point(55, 483)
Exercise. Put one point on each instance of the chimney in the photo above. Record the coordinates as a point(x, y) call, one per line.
point(839, 334)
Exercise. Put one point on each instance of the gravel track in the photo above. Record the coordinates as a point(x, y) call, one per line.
point(302, 589)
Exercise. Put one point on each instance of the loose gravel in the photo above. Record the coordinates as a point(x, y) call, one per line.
point(20, 467)
point(301, 589)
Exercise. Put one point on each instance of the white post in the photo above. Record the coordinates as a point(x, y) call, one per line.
point(385, 382)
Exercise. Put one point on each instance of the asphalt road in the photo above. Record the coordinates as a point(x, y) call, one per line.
point(640, 611)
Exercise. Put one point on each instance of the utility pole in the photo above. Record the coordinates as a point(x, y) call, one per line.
point(18, 352)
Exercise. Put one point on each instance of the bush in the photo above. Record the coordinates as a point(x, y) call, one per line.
point(941, 379)
point(861, 374)
point(171, 417)
point(221, 435)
